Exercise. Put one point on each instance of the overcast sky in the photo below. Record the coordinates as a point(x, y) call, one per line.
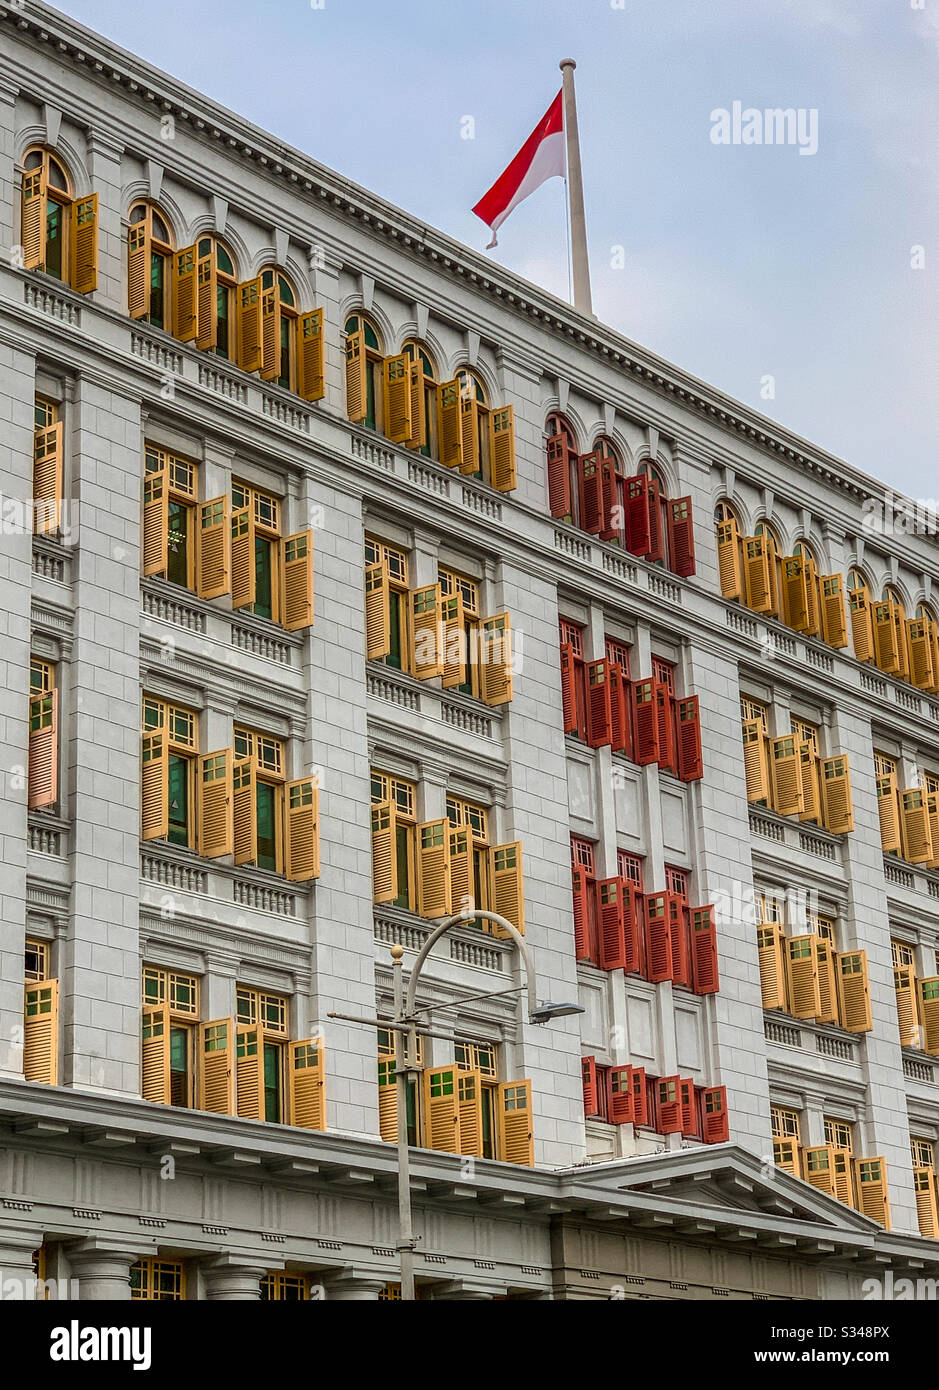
point(741, 262)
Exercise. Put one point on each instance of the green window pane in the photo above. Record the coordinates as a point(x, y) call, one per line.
point(370, 418)
point(401, 847)
point(221, 346)
point(489, 1124)
point(177, 546)
point(157, 289)
point(54, 224)
point(284, 376)
point(267, 842)
point(179, 800)
point(179, 1066)
point(272, 1106)
point(394, 657)
point(263, 579)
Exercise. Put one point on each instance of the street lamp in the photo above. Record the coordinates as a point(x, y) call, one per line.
point(404, 1026)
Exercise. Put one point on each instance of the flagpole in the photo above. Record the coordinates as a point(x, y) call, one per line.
point(575, 193)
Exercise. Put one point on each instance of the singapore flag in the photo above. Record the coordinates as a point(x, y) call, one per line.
point(540, 158)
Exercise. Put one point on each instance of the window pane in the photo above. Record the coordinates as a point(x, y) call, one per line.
point(177, 558)
point(267, 843)
point(179, 800)
point(54, 239)
point(263, 591)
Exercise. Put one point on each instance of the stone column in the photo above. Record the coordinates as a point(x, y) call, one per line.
point(350, 1287)
point(102, 1269)
point(104, 164)
point(17, 1276)
point(231, 1278)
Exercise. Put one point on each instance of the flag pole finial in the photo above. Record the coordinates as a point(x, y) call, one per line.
point(575, 193)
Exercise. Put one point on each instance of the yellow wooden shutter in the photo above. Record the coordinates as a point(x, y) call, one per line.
point(929, 1012)
point(296, 575)
point(249, 1058)
point(384, 852)
point(496, 659)
point(827, 981)
point(270, 334)
point(843, 1172)
point(442, 1109)
point(245, 812)
point(759, 580)
point(755, 761)
point(33, 232)
point(516, 1137)
point(206, 300)
point(433, 869)
point(771, 945)
point(418, 436)
point(836, 795)
point(903, 648)
point(377, 611)
point(469, 434)
point(811, 785)
point(927, 1211)
point(813, 620)
point(216, 1087)
point(243, 569)
point(914, 822)
point(787, 1154)
point(904, 983)
point(357, 368)
point(502, 472)
point(920, 644)
point(311, 360)
point(155, 522)
point(873, 1198)
point(213, 549)
point(470, 1102)
point(83, 253)
point(888, 812)
point(41, 1032)
point(215, 804)
point(507, 887)
point(932, 810)
point(885, 638)
point(454, 654)
point(854, 992)
point(43, 771)
point(834, 618)
point(249, 325)
point(306, 1083)
point(787, 776)
point(155, 1055)
point(461, 869)
point(301, 830)
point(139, 251)
point(449, 437)
point(729, 567)
point(802, 971)
point(424, 605)
point(48, 457)
point(862, 625)
point(387, 1100)
point(397, 395)
point(795, 599)
point(155, 789)
point(185, 316)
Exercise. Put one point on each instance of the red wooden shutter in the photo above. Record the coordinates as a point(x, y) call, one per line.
point(588, 1067)
point(637, 1077)
point(637, 515)
point(610, 527)
point(656, 552)
point(581, 932)
point(665, 721)
point(690, 1123)
point(680, 536)
point(658, 937)
point(715, 1122)
point(620, 1097)
point(621, 724)
point(690, 761)
point(599, 714)
point(645, 722)
point(704, 951)
point(569, 687)
point(612, 905)
point(591, 493)
point(559, 476)
point(681, 951)
point(668, 1117)
point(632, 926)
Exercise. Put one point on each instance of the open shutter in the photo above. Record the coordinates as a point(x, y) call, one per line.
point(658, 937)
point(690, 762)
point(932, 808)
point(920, 644)
point(886, 647)
point(569, 687)
point(155, 786)
point(668, 1105)
point(356, 377)
point(787, 777)
point(469, 1092)
point(311, 363)
point(249, 325)
point(215, 823)
point(588, 1073)
point(620, 1098)
point(139, 251)
point(270, 333)
point(33, 231)
point(243, 568)
point(306, 1083)
point(771, 948)
point(621, 740)
point(929, 1012)
point(637, 1076)
point(213, 549)
point(516, 1143)
point(611, 524)
point(729, 565)
point(827, 981)
point(836, 795)
point(715, 1120)
point(914, 822)
point(43, 773)
point(206, 299)
point(216, 1088)
point(813, 620)
point(862, 624)
point(757, 572)
point(377, 611)
point(873, 1199)
point(245, 813)
point(384, 852)
point(441, 1109)
point(496, 673)
point(665, 721)
point(433, 869)
point(558, 454)
point(155, 522)
point(787, 1154)
point(301, 830)
point(638, 522)
point(417, 439)
point(811, 784)
point(755, 761)
point(904, 983)
point(185, 317)
point(645, 719)
point(802, 969)
point(502, 473)
point(690, 1123)
point(581, 890)
point(296, 580)
point(889, 813)
point(387, 1100)
point(469, 434)
point(599, 714)
point(460, 854)
point(819, 1167)
point(41, 1032)
point(424, 604)
point(613, 907)
point(927, 1212)
point(155, 1055)
point(249, 1070)
point(834, 618)
point(449, 438)
point(794, 587)
point(508, 893)
point(704, 971)
point(844, 1176)
point(656, 552)
point(680, 536)
point(854, 991)
point(83, 253)
point(590, 487)
point(48, 470)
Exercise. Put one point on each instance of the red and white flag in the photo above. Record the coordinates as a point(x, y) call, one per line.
point(541, 157)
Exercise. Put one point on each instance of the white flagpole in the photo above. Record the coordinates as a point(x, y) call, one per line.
point(575, 193)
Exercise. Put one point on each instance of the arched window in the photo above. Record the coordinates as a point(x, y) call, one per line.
point(216, 282)
point(46, 226)
point(730, 552)
point(890, 633)
point(655, 475)
point(278, 329)
point(423, 400)
point(725, 512)
point(562, 460)
point(658, 518)
point(149, 265)
point(363, 372)
point(893, 595)
point(474, 424)
point(857, 579)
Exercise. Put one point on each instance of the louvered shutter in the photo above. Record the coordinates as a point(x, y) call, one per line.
point(715, 1119)
point(154, 790)
point(795, 600)
point(496, 673)
point(904, 984)
point(705, 976)
point(215, 823)
point(48, 474)
point(914, 823)
point(638, 521)
point(397, 398)
point(301, 830)
point(311, 356)
point(888, 813)
point(620, 1099)
point(516, 1142)
point(559, 477)
point(802, 969)
point(886, 648)
point(599, 714)
point(609, 499)
point(759, 581)
point(155, 523)
point(862, 624)
point(932, 808)
point(41, 1032)
point(433, 876)
point(502, 449)
point(387, 1100)
point(155, 1055)
point(854, 991)
point(384, 852)
point(665, 722)
point(927, 1212)
point(216, 1083)
point(417, 439)
point(213, 549)
point(296, 576)
point(139, 252)
point(245, 813)
point(645, 720)
point(836, 795)
point(43, 770)
point(568, 688)
point(505, 877)
point(243, 567)
point(377, 611)
point(681, 536)
point(787, 776)
point(270, 334)
point(920, 647)
point(834, 618)
point(678, 930)
point(690, 1124)
point(357, 368)
point(640, 1095)
point(771, 949)
point(33, 232)
point(84, 244)
point(690, 761)
point(656, 552)
point(249, 1072)
point(590, 488)
point(469, 434)
point(249, 325)
point(441, 1109)
point(449, 437)
point(813, 622)
point(613, 903)
point(424, 604)
point(787, 1154)
point(827, 981)
point(206, 300)
point(470, 1104)
point(306, 1083)
point(462, 883)
point(581, 890)
point(873, 1199)
point(756, 763)
point(819, 1167)
point(454, 655)
point(668, 1105)
point(185, 317)
point(729, 565)
point(658, 937)
point(929, 1012)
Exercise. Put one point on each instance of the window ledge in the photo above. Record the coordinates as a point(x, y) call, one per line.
point(404, 681)
point(467, 945)
point(193, 612)
point(199, 870)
